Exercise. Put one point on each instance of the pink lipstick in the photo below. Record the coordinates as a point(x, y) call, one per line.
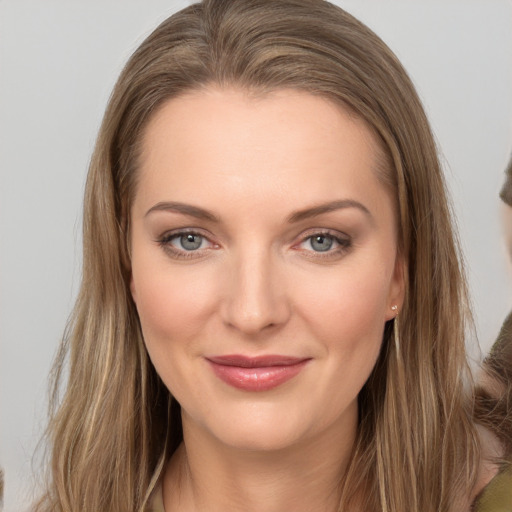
point(256, 373)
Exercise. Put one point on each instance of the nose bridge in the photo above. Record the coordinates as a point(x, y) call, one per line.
point(256, 297)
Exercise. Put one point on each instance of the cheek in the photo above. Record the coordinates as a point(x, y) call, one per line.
point(347, 309)
point(173, 304)
point(174, 307)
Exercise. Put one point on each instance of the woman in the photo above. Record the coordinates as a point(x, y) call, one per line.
point(272, 309)
point(494, 393)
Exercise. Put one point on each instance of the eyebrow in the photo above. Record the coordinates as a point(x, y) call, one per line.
point(326, 208)
point(185, 209)
point(201, 213)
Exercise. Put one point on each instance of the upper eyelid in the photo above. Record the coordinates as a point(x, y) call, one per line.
point(341, 243)
point(171, 233)
point(166, 238)
point(334, 233)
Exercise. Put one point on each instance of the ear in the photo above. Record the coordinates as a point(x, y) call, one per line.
point(397, 287)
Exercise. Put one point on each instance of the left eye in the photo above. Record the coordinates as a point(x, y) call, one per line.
point(324, 242)
point(320, 243)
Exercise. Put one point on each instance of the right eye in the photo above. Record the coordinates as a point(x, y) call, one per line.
point(188, 241)
point(185, 244)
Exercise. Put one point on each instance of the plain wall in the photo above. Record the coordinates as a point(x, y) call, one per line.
point(58, 62)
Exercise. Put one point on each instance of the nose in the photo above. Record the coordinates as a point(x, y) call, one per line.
point(256, 298)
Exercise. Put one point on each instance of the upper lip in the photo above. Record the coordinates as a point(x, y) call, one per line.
point(242, 361)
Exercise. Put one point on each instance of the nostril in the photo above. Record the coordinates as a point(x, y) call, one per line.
point(251, 324)
point(252, 316)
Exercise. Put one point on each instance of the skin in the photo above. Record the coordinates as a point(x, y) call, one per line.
point(257, 286)
point(506, 215)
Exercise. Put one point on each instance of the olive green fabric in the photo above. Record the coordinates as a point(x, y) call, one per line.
point(497, 496)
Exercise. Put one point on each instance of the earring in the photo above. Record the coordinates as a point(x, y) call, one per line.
point(396, 333)
point(394, 309)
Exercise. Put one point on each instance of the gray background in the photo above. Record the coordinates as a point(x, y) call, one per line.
point(58, 62)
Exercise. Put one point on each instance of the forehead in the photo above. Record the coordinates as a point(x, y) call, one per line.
point(273, 145)
point(256, 109)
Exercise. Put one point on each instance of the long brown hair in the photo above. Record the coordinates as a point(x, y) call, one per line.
point(494, 393)
point(506, 190)
point(116, 424)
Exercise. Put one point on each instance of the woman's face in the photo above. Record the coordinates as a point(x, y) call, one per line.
point(264, 263)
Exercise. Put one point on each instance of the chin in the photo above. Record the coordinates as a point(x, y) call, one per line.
point(253, 428)
point(260, 439)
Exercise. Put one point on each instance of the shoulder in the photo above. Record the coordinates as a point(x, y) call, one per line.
point(497, 494)
point(493, 492)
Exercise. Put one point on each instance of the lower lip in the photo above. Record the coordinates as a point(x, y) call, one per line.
point(256, 379)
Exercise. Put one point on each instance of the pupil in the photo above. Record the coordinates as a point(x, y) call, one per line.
point(190, 242)
point(321, 243)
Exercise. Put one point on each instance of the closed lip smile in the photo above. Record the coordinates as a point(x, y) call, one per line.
point(260, 373)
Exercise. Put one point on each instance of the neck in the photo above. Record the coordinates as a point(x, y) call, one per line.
point(206, 475)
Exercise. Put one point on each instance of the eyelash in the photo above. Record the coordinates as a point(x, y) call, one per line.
point(343, 244)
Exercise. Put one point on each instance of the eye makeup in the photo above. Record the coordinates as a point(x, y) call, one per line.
point(315, 244)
